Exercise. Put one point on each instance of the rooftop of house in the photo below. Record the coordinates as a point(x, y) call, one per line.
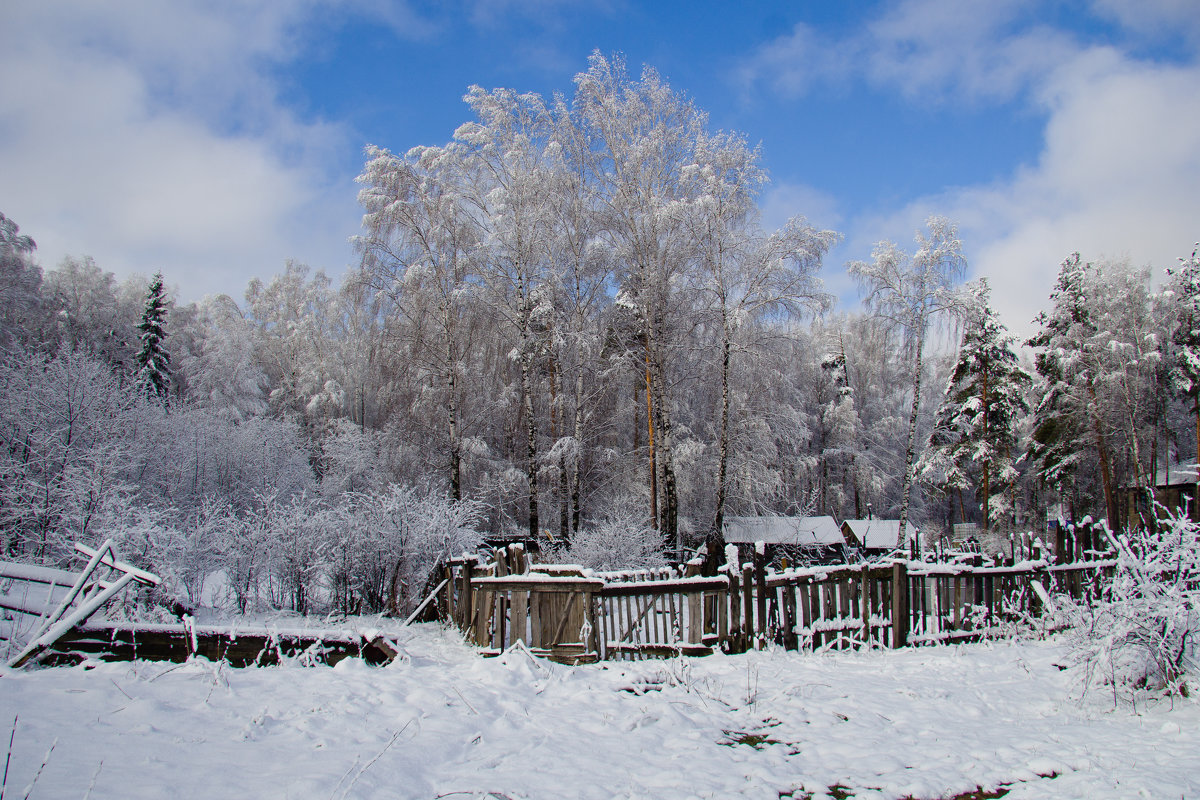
point(803, 531)
point(878, 534)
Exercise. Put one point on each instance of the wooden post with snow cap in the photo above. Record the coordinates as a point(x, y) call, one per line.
point(899, 605)
point(760, 587)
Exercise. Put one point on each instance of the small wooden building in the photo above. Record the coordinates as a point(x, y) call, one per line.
point(1174, 488)
point(877, 537)
point(801, 540)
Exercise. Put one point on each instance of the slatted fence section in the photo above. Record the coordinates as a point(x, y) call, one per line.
point(573, 615)
point(953, 603)
point(663, 617)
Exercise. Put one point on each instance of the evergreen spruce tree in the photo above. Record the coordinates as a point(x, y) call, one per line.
point(1184, 284)
point(975, 430)
point(153, 360)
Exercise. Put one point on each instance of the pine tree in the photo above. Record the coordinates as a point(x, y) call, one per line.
point(153, 360)
point(975, 431)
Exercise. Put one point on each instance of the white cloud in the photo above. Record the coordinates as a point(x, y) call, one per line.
point(1150, 17)
point(1119, 166)
point(1116, 178)
point(148, 136)
point(921, 47)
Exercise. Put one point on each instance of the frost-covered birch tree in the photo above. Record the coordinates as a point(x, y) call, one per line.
point(506, 153)
point(743, 276)
point(645, 135)
point(914, 293)
point(420, 247)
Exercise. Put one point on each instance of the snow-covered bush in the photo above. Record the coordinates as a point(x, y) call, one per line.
point(621, 540)
point(1143, 633)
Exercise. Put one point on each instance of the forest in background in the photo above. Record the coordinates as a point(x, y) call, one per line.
point(567, 324)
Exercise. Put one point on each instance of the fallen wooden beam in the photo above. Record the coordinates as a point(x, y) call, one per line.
point(110, 641)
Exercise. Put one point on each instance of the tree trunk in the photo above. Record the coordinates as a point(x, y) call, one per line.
point(715, 541)
point(531, 469)
point(669, 526)
point(576, 471)
point(1110, 499)
point(718, 525)
point(650, 443)
point(987, 462)
point(455, 445)
point(912, 439)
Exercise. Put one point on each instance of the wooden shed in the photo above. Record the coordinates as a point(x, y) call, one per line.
point(1174, 488)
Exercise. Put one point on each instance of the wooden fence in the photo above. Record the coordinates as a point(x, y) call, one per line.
point(573, 615)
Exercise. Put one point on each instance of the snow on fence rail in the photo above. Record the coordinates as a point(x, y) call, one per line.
point(571, 614)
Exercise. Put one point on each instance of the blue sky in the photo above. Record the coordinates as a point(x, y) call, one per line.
point(215, 140)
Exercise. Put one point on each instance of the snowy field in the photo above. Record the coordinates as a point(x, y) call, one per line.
point(443, 722)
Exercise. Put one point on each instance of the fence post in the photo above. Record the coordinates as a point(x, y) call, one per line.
point(865, 591)
point(899, 605)
point(789, 617)
point(747, 606)
point(760, 580)
point(446, 602)
point(734, 598)
point(465, 598)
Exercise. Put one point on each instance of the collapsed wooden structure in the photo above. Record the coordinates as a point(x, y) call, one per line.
point(46, 617)
point(573, 615)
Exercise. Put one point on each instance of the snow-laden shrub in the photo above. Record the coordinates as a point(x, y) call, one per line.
point(621, 540)
point(1143, 633)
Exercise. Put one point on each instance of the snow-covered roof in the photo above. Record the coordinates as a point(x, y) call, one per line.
point(878, 534)
point(1174, 474)
point(804, 531)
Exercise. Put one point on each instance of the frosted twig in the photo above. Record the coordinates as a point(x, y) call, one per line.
point(378, 755)
point(164, 672)
point(92, 785)
point(460, 697)
point(8, 758)
point(46, 760)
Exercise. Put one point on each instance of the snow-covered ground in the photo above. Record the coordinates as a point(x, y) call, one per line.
point(443, 722)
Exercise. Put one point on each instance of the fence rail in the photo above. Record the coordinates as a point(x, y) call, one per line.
point(573, 615)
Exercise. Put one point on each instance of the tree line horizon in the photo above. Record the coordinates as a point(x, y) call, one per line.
point(572, 308)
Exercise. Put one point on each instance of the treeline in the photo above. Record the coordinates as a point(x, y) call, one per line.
point(568, 320)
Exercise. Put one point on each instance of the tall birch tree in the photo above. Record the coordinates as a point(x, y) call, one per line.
point(914, 294)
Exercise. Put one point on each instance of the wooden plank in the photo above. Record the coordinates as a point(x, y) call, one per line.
point(518, 613)
point(721, 603)
point(789, 617)
point(865, 587)
point(748, 605)
point(659, 587)
point(535, 619)
point(695, 607)
point(734, 598)
point(567, 608)
point(760, 581)
point(900, 596)
point(541, 584)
